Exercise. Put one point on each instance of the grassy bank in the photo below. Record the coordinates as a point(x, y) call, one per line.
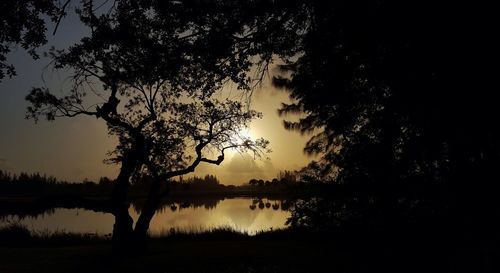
point(226, 250)
point(17, 235)
point(217, 250)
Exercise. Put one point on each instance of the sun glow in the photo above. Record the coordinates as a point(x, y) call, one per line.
point(245, 133)
point(242, 135)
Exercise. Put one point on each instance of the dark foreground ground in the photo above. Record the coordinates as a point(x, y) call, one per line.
point(227, 251)
point(213, 256)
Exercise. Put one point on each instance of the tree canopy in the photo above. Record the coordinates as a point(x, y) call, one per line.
point(384, 88)
point(22, 23)
point(154, 72)
point(397, 100)
point(165, 74)
point(378, 84)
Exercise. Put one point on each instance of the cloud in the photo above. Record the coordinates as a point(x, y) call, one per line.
point(239, 169)
point(243, 164)
point(241, 217)
point(244, 167)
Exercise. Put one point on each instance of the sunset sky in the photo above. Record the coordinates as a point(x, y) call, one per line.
point(74, 149)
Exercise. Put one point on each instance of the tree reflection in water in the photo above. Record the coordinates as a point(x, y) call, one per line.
point(185, 214)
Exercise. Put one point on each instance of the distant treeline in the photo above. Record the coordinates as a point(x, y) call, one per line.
point(34, 194)
point(39, 185)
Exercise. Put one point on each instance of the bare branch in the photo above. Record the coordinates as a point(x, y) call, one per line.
point(61, 15)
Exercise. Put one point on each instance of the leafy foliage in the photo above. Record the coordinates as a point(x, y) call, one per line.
point(161, 68)
point(22, 23)
point(376, 83)
point(398, 104)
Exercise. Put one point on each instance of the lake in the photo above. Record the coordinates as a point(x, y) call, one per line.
point(242, 214)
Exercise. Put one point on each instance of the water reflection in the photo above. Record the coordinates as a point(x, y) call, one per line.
point(65, 220)
point(195, 214)
point(181, 203)
point(266, 204)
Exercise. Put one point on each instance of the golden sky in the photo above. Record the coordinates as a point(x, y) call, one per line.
point(74, 148)
point(286, 146)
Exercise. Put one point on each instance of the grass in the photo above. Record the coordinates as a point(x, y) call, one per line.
point(17, 235)
point(217, 233)
point(226, 250)
point(215, 250)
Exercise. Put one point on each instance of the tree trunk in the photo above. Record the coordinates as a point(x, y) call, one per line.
point(147, 213)
point(122, 229)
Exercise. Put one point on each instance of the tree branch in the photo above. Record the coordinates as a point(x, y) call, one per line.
point(61, 15)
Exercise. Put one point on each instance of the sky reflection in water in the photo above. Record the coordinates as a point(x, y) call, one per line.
point(234, 213)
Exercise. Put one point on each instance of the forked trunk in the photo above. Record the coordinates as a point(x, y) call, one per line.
point(123, 227)
point(147, 213)
point(125, 238)
point(122, 230)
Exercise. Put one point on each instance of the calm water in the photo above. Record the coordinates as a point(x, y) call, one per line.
point(241, 214)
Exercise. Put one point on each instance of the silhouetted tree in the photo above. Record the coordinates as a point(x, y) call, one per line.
point(253, 182)
point(396, 98)
point(24, 23)
point(287, 176)
point(260, 183)
point(161, 65)
point(105, 181)
point(315, 172)
point(203, 183)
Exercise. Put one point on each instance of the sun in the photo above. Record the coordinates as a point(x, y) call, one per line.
point(245, 133)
